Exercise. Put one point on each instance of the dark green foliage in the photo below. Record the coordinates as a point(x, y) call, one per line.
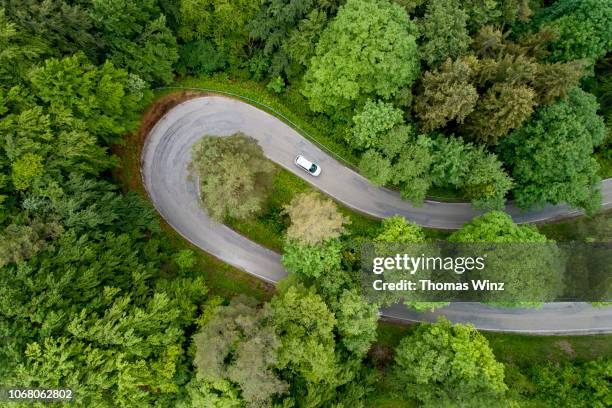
point(289, 31)
point(584, 28)
point(18, 51)
point(201, 57)
point(579, 385)
point(63, 27)
point(137, 38)
point(92, 296)
point(444, 31)
point(222, 22)
point(56, 126)
point(102, 97)
point(86, 315)
point(551, 157)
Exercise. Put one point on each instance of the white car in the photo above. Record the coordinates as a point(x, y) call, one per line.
point(305, 164)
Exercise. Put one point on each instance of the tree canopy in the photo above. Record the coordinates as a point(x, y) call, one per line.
point(234, 175)
point(449, 365)
point(344, 72)
point(551, 157)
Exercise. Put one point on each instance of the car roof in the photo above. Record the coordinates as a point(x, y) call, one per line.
point(302, 161)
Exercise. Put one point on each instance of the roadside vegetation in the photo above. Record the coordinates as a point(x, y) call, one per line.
point(98, 295)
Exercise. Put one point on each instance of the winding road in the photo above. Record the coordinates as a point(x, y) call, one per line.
point(167, 152)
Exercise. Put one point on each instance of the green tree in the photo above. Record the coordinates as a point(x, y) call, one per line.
point(397, 230)
point(551, 156)
point(374, 119)
point(201, 57)
point(237, 345)
point(573, 384)
point(447, 94)
point(486, 182)
point(185, 259)
point(311, 262)
point(314, 219)
point(377, 164)
point(221, 21)
point(376, 167)
point(497, 227)
point(345, 72)
point(444, 31)
point(449, 365)
point(305, 326)
point(300, 46)
point(234, 175)
point(137, 38)
point(18, 51)
point(496, 12)
point(532, 273)
point(87, 315)
point(504, 107)
point(453, 161)
point(289, 31)
point(357, 322)
point(60, 27)
point(217, 394)
point(583, 27)
point(22, 242)
point(411, 171)
point(25, 169)
point(99, 96)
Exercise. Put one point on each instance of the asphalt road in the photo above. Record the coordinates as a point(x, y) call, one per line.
point(167, 152)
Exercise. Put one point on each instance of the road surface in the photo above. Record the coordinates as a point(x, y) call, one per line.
point(167, 152)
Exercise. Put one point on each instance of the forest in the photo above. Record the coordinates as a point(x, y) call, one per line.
point(475, 100)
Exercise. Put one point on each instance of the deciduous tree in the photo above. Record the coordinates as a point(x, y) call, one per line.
point(583, 27)
point(238, 345)
point(314, 219)
point(375, 119)
point(397, 230)
point(311, 262)
point(357, 320)
point(449, 365)
point(234, 175)
point(551, 156)
point(532, 274)
point(345, 72)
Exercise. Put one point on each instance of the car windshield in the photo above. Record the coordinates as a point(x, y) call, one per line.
point(313, 168)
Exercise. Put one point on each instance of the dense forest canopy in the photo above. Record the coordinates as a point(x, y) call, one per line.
point(490, 100)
